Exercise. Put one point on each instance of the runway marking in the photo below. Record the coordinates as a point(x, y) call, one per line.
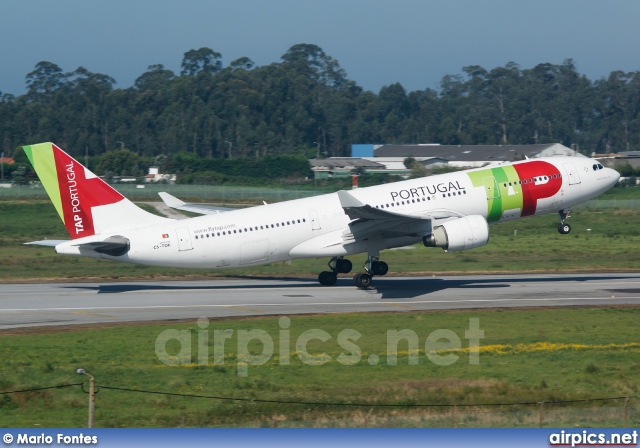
point(243, 308)
point(398, 305)
point(249, 305)
point(86, 313)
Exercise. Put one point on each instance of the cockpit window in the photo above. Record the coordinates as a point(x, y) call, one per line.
point(600, 166)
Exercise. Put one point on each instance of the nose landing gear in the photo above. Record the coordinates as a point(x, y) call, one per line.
point(564, 228)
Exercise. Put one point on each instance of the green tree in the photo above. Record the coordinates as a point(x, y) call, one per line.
point(121, 162)
point(203, 60)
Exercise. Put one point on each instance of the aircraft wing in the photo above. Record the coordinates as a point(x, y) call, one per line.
point(371, 222)
point(364, 212)
point(201, 209)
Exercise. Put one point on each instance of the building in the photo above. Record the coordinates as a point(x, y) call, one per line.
point(344, 167)
point(389, 159)
point(155, 176)
point(462, 156)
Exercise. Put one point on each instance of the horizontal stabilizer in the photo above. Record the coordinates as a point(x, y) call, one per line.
point(50, 243)
point(201, 209)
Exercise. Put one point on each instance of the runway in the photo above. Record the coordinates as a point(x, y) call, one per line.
point(45, 304)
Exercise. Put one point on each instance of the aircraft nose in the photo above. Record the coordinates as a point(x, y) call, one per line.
point(615, 176)
point(611, 176)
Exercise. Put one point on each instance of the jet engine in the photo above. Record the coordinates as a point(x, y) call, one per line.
point(459, 234)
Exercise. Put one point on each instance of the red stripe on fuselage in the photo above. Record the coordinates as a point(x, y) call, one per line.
point(532, 190)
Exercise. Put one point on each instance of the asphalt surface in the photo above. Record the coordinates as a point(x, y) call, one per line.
point(45, 304)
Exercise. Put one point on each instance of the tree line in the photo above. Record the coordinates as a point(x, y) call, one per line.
point(305, 105)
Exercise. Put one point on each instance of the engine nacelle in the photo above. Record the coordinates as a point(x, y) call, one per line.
point(459, 234)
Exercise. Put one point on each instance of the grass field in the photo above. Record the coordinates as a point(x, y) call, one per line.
point(533, 355)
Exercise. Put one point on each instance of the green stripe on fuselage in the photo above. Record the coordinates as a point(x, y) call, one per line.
point(44, 163)
point(507, 197)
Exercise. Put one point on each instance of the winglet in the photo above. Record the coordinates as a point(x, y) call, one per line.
point(347, 200)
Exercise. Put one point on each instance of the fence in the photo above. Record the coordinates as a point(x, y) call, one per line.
point(592, 412)
point(195, 193)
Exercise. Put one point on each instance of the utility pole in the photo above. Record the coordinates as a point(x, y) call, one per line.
point(86, 156)
point(230, 147)
point(2, 166)
point(92, 395)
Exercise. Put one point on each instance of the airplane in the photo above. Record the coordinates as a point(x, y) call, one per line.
point(451, 211)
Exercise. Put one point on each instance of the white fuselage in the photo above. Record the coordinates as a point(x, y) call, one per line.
point(316, 227)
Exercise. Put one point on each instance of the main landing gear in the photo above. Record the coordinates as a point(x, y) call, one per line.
point(373, 266)
point(338, 265)
point(564, 228)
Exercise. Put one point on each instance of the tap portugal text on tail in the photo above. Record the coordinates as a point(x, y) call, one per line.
point(451, 211)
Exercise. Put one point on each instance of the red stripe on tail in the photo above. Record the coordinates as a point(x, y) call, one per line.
point(80, 194)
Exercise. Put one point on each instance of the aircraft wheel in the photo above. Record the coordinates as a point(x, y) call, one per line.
point(343, 266)
point(379, 268)
point(362, 281)
point(564, 229)
point(327, 278)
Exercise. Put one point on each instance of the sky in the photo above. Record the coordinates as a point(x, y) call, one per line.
point(377, 42)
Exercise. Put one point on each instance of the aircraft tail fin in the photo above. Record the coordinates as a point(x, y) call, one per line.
point(86, 204)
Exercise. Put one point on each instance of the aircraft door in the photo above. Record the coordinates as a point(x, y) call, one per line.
point(491, 187)
point(184, 239)
point(315, 222)
point(571, 170)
